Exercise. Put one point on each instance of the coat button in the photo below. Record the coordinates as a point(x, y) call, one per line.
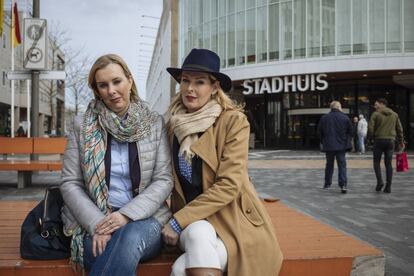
point(248, 211)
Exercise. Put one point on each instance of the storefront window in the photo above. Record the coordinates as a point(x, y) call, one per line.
point(274, 32)
point(251, 35)
point(262, 34)
point(359, 27)
point(377, 26)
point(328, 27)
point(409, 26)
point(394, 26)
point(241, 46)
point(286, 28)
point(314, 28)
point(300, 28)
point(344, 27)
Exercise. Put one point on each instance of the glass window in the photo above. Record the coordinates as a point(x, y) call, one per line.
point(214, 6)
point(274, 31)
point(251, 35)
point(222, 41)
point(300, 28)
point(328, 27)
point(200, 37)
point(261, 2)
point(231, 40)
point(250, 4)
point(206, 10)
point(286, 30)
point(344, 27)
point(206, 35)
point(241, 45)
point(221, 7)
point(360, 32)
point(214, 36)
point(240, 5)
point(231, 6)
point(394, 26)
point(409, 26)
point(273, 1)
point(314, 28)
point(377, 26)
point(262, 34)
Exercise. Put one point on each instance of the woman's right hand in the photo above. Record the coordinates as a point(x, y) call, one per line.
point(99, 243)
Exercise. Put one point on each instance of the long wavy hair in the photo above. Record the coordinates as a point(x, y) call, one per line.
point(104, 61)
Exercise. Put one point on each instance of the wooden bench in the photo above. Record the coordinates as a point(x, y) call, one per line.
point(27, 146)
point(309, 247)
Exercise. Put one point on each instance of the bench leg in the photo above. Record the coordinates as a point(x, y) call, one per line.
point(24, 179)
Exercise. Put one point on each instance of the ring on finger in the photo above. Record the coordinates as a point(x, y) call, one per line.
point(110, 222)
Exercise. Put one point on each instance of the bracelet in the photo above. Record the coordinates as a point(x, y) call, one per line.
point(175, 226)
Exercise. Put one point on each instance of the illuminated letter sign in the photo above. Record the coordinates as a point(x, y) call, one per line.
point(286, 84)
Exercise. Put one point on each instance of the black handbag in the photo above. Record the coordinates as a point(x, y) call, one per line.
point(42, 236)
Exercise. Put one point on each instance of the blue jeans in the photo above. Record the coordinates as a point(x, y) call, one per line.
point(135, 242)
point(361, 143)
point(329, 168)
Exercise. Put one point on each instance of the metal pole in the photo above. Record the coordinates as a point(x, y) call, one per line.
point(34, 126)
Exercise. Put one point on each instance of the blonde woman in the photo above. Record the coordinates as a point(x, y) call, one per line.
point(116, 176)
point(218, 220)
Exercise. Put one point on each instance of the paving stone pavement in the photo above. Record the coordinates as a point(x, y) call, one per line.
point(296, 177)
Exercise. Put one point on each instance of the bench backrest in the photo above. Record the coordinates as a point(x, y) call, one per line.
point(16, 145)
point(49, 145)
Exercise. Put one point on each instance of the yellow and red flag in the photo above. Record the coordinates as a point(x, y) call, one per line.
point(1, 16)
point(15, 29)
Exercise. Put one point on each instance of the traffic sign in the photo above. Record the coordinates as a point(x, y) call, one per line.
point(44, 75)
point(35, 44)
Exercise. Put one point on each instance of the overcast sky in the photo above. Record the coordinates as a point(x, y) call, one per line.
point(108, 26)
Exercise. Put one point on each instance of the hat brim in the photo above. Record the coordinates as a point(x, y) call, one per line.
point(225, 81)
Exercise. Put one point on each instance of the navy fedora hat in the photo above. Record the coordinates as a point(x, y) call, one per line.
point(202, 60)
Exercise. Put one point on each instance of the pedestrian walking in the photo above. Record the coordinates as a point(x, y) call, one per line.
point(384, 128)
point(335, 130)
point(362, 131)
point(354, 134)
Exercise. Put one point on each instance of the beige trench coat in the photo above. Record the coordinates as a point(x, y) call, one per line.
point(229, 201)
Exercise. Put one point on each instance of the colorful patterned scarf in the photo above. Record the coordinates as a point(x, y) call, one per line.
point(98, 120)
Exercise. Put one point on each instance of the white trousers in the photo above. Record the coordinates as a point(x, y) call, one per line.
point(202, 247)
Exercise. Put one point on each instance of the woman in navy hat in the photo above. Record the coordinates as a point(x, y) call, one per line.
point(218, 220)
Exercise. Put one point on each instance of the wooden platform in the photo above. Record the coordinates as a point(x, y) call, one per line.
point(309, 247)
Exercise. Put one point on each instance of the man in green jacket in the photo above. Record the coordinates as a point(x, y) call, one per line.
point(384, 127)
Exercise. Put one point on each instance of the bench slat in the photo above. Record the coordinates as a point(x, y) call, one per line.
point(18, 145)
point(49, 145)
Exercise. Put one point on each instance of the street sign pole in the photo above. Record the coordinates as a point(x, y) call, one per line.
point(34, 112)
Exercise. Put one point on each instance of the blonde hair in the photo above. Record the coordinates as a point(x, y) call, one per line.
point(104, 61)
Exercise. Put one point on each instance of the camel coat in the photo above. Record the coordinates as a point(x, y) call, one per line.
point(229, 201)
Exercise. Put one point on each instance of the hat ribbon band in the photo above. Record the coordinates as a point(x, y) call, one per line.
point(196, 66)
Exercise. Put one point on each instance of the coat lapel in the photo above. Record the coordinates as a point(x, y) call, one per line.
point(205, 148)
point(177, 185)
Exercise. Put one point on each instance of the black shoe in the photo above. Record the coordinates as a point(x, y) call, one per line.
point(387, 189)
point(344, 190)
point(379, 187)
point(326, 186)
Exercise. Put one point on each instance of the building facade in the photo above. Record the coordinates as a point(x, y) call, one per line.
point(51, 93)
point(290, 58)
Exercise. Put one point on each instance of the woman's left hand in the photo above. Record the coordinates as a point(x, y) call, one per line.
point(169, 236)
point(111, 223)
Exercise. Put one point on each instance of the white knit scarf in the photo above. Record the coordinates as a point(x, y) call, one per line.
point(186, 126)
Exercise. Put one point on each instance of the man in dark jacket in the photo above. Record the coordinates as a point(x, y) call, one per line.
point(384, 127)
point(335, 130)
